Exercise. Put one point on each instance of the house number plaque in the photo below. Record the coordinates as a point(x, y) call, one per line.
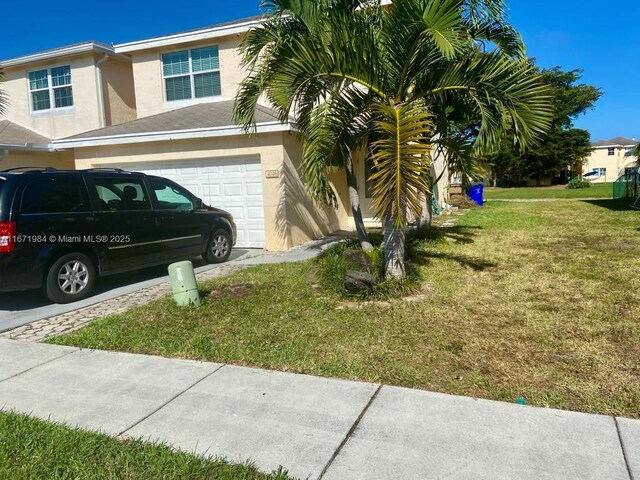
point(272, 173)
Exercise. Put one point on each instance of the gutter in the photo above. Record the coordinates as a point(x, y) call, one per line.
point(210, 132)
point(201, 34)
point(55, 53)
point(26, 147)
point(101, 109)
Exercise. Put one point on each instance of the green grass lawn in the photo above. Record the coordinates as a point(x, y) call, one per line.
point(597, 190)
point(533, 300)
point(33, 449)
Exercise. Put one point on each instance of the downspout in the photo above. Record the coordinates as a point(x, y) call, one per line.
point(103, 118)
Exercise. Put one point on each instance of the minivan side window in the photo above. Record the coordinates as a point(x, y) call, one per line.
point(170, 197)
point(55, 195)
point(120, 195)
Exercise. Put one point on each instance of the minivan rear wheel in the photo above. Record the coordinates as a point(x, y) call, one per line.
point(219, 247)
point(70, 278)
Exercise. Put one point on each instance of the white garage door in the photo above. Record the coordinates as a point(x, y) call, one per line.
point(234, 185)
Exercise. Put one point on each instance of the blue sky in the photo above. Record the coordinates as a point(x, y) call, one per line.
point(600, 38)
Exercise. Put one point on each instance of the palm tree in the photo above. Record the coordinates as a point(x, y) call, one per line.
point(356, 74)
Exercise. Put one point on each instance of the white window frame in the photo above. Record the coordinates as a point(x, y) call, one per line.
point(611, 151)
point(602, 171)
point(191, 74)
point(50, 88)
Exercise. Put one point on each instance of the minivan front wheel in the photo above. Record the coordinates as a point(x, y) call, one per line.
point(70, 278)
point(219, 247)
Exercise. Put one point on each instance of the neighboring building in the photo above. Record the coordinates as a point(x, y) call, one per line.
point(611, 158)
point(164, 106)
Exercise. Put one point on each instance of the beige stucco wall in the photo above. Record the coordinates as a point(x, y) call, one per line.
point(60, 160)
point(83, 116)
point(290, 217)
point(147, 71)
point(615, 164)
point(304, 219)
point(119, 92)
point(438, 166)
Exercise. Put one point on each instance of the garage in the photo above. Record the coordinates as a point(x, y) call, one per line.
point(232, 184)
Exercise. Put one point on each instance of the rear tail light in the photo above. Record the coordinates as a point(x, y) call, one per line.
point(7, 237)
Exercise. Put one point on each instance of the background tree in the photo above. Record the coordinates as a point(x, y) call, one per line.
point(564, 145)
point(354, 73)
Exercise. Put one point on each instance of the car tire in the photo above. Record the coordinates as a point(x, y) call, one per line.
point(70, 278)
point(219, 247)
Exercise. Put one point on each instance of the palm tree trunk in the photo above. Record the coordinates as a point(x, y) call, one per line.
point(354, 199)
point(393, 249)
point(424, 222)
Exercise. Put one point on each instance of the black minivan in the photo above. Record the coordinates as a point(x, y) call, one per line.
point(60, 229)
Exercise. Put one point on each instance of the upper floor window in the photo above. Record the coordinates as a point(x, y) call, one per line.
point(611, 151)
point(50, 88)
point(191, 74)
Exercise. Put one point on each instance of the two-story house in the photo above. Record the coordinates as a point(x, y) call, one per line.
point(58, 93)
point(164, 106)
point(611, 158)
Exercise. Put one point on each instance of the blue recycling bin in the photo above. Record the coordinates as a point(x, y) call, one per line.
point(476, 194)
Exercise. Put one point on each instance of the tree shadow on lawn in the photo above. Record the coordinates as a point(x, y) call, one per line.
point(458, 234)
point(617, 205)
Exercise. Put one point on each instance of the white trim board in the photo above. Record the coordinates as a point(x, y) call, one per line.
point(227, 131)
point(177, 38)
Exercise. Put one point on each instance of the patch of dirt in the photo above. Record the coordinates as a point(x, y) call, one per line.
point(462, 202)
point(237, 290)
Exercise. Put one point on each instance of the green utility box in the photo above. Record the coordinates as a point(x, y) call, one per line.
point(183, 284)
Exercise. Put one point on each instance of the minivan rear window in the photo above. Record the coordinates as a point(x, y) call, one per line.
point(55, 195)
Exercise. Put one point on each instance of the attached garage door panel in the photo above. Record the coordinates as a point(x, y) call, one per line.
point(234, 185)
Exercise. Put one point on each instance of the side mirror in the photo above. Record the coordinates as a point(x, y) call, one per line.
point(198, 204)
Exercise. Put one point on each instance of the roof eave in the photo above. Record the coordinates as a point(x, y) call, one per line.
point(616, 145)
point(227, 131)
point(61, 52)
point(29, 147)
point(204, 34)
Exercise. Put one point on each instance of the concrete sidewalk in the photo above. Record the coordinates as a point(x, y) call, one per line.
point(314, 427)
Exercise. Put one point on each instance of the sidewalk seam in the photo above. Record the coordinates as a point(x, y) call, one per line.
point(349, 433)
point(624, 451)
point(169, 401)
point(41, 364)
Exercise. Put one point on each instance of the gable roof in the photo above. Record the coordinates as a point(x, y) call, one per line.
point(616, 142)
point(14, 136)
point(211, 119)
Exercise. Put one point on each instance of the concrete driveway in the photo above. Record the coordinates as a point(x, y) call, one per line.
point(21, 308)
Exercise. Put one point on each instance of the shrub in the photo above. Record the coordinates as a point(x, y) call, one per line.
point(578, 183)
point(332, 269)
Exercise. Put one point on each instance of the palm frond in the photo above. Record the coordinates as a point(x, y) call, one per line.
point(337, 128)
point(398, 156)
point(3, 97)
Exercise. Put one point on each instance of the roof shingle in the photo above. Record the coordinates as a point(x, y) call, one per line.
point(15, 135)
point(200, 116)
point(622, 141)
